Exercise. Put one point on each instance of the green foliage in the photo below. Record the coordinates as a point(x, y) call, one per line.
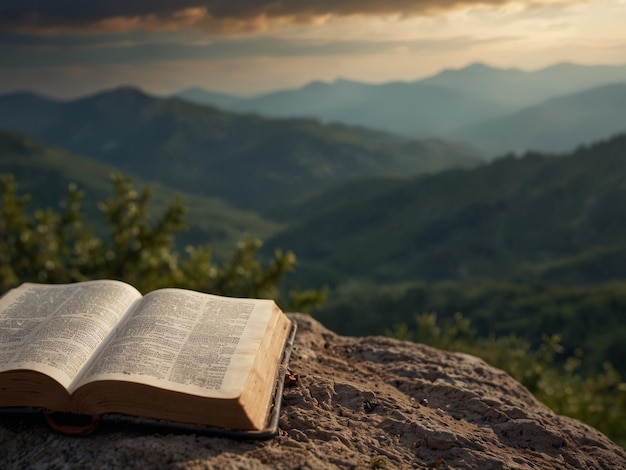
point(599, 399)
point(587, 317)
point(139, 252)
point(56, 246)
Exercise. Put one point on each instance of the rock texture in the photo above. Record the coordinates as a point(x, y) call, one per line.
point(358, 403)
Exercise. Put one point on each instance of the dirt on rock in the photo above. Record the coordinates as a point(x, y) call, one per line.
point(371, 402)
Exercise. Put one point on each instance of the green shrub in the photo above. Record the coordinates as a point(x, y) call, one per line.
point(57, 246)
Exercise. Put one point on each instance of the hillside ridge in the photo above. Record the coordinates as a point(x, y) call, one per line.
point(490, 221)
point(249, 161)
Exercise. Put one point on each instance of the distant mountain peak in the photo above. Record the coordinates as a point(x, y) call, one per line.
point(122, 97)
point(124, 90)
point(473, 67)
point(476, 69)
point(316, 85)
point(481, 66)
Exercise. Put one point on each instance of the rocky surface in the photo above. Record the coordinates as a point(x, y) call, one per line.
point(368, 402)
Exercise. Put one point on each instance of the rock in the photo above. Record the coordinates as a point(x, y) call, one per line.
point(370, 402)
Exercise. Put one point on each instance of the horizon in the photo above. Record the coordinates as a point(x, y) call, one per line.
point(291, 88)
point(251, 48)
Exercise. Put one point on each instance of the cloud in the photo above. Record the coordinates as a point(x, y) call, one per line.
point(215, 16)
point(141, 48)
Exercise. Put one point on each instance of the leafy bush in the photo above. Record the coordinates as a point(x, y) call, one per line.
point(598, 399)
point(586, 317)
point(57, 247)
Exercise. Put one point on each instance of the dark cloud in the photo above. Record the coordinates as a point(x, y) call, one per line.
point(141, 48)
point(220, 15)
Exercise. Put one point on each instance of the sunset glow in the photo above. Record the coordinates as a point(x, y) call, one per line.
point(253, 47)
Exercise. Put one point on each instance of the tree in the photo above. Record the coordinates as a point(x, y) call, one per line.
point(57, 246)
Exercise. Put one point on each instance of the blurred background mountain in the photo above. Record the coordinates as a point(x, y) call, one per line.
point(497, 110)
point(494, 192)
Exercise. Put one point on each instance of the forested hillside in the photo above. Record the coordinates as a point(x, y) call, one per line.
point(536, 217)
point(250, 162)
point(45, 172)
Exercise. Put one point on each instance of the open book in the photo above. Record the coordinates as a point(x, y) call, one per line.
point(100, 348)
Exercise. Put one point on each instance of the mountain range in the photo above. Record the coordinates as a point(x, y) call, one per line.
point(555, 125)
point(250, 162)
point(530, 243)
point(426, 210)
point(538, 217)
point(561, 218)
point(460, 105)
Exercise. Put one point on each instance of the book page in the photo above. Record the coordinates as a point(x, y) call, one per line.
point(54, 329)
point(186, 341)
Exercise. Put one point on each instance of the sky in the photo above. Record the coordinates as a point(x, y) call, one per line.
point(69, 48)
